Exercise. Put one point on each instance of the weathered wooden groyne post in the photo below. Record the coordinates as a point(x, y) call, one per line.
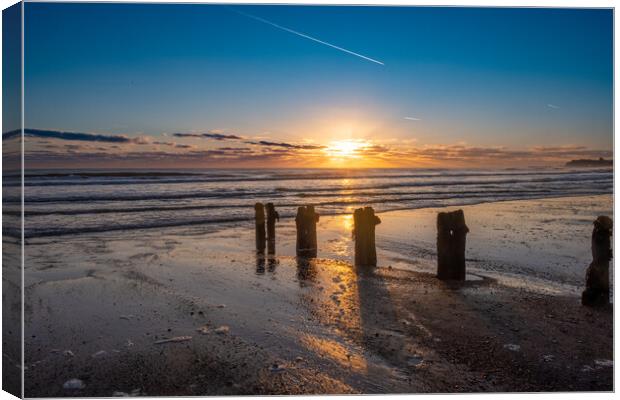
point(306, 220)
point(313, 218)
point(272, 217)
point(259, 212)
point(451, 238)
point(597, 275)
point(364, 223)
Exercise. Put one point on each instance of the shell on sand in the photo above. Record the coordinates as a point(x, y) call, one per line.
point(175, 339)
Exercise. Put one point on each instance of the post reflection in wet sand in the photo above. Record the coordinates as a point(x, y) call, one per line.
point(260, 263)
point(335, 301)
point(306, 270)
point(272, 263)
point(355, 304)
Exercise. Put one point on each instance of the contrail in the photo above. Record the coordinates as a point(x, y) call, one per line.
point(413, 119)
point(306, 36)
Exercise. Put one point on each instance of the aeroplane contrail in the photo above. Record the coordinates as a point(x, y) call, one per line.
point(306, 36)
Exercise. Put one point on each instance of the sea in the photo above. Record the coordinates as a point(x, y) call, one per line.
point(69, 202)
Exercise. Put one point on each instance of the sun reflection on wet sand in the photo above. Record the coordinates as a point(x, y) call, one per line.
point(337, 305)
point(347, 222)
point(337, 352)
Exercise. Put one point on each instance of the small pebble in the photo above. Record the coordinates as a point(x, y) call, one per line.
point(604, 363)
point(275, 368)
point(222, 330)
point(99, 354)
point(512, 347)
point(415, 361)
point(74, 384)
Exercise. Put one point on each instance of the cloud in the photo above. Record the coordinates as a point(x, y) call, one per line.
point(234, 148)
point(210, 135)
point(292, 155)
point(148, 140)
point(144, 140)
point(553, 106)
point(413, 119)
point(76, 136)
point(561, 149)
point(459, 153)
point(376, 149)
point(286, 145)
point(11, 134)
point(87, 137)
point(217, 135)
point(192, 157)
point(82, 149)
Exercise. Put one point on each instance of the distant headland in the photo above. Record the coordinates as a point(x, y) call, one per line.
point(601, 162)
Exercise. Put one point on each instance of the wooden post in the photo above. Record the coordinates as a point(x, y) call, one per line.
point(272, 217)
point(313, 218)
point(259, 211)
point(364, 223)
point(300, 223)
point(359, 237)
point(597, 275)
point(451, 240)
point(305, 221)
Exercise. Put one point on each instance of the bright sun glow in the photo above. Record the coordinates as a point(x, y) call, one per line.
point(349, 148)
point(347, 221)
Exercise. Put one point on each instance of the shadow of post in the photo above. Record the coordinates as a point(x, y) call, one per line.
point(380, 322)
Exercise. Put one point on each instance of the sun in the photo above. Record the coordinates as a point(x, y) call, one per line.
point(349, 148)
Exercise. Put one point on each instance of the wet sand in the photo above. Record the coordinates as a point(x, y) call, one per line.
point(96, 306)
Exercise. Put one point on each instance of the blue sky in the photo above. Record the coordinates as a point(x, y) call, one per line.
point(514, 79)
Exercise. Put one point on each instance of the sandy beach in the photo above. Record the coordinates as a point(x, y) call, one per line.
point(461, 166)
point(193, 311)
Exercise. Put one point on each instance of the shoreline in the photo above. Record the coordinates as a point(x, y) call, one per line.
point(238, 221)
point(283, 325)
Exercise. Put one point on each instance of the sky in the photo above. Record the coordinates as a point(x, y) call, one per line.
point(152, 85)
point(11, 85)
